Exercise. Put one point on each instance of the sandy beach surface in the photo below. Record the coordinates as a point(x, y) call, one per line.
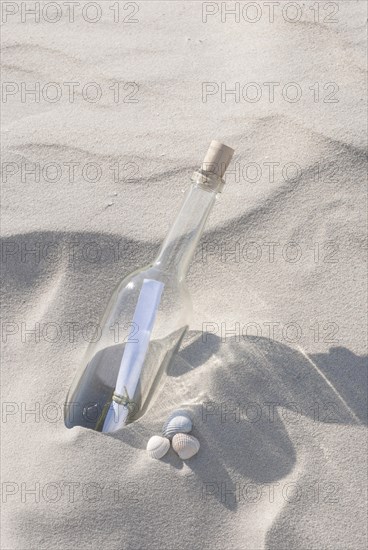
point(107, 107)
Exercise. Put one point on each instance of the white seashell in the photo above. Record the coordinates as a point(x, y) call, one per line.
point(157, 446)
point(177, 425)
point(174, 414)
point(185, 445)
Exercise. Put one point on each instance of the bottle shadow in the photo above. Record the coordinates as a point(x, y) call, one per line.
point(257, 386)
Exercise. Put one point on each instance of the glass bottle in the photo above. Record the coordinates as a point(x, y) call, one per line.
point(146, 318)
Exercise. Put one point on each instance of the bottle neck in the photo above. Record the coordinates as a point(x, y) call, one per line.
point(179, 246)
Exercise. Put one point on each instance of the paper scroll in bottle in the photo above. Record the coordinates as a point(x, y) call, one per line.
point(134, 355)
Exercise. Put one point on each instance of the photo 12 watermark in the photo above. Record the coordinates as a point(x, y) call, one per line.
point(269, 412)
point(76, 252)
point(71, 492)
point(69, 171)
point(70, 92)
point(289, 332)
point(68, 332)
point(251, 12)
point(36, 412)
point(291, 492)
point(270, 92)
point(240, 251)
point(70, 11)
point(271, 171)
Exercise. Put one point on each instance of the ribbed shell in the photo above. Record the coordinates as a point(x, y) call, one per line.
point(185, 445)
point(176, 425)
point(157, 446)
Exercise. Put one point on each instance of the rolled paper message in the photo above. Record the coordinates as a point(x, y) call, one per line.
point(134, 355)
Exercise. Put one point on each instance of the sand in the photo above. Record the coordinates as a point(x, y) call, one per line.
point(273, 369)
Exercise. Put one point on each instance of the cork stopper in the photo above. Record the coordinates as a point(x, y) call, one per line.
point(217, 159)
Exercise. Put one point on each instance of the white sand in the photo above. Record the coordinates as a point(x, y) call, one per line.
point(294, 476)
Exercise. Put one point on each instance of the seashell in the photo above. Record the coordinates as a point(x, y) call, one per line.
point(157, 446)
point(177, 412)
point(177, 425)
point(185, 445)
